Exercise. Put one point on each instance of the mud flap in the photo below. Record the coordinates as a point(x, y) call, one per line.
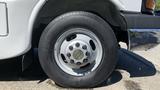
point(27, 60)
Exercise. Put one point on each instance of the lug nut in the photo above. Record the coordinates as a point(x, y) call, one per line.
point(72, 61)
point(84, 47)
point(77, 44)
point(85, 60)
point(78, 63)
point(68, 55)
point(70, 48)
point(87, 54)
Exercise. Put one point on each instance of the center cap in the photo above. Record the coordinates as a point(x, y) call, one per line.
point(78, 54)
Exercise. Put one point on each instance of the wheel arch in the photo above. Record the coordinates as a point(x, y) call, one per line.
point(103, 8)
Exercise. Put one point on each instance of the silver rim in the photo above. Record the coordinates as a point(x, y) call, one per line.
point(78, 52)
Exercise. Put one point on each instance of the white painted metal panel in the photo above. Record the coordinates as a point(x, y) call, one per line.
point(128, 5)
point(132, 5)
point(3, 20)
point(21, 17)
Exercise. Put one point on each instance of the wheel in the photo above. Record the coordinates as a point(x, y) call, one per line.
point(78, 50)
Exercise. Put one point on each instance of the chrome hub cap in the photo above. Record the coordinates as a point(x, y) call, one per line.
point(78, 52)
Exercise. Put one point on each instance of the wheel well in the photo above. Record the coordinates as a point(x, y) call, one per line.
point(103, 8)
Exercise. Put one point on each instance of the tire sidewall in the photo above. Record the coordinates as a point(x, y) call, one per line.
point(75, 20)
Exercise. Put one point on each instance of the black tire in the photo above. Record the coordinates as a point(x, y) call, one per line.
point(83, 20)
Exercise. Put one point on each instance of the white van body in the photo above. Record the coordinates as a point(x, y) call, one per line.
point(18, 16)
